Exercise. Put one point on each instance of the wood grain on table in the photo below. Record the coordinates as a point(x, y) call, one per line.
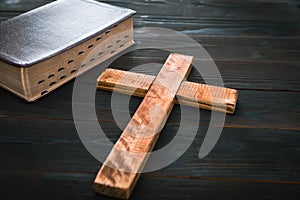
point(255, 45)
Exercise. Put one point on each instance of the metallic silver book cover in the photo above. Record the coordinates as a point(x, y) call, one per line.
point(51, 29)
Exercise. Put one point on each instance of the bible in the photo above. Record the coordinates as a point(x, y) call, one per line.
point(44, 48)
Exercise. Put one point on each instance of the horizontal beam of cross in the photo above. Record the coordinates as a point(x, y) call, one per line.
point(189, 93)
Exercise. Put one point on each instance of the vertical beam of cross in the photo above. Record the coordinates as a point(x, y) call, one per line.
point(121, 170)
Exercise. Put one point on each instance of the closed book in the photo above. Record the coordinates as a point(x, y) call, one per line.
point(44, 48)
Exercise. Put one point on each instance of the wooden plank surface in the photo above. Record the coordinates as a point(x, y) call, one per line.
point(123, 166)
point(202, 17)
point(189, 93)
point(37, 157)
point(255, 46)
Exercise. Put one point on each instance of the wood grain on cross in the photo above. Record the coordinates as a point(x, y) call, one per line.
point(121, 170)
point(189, 93)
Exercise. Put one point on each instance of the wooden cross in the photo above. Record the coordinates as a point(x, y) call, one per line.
point(119, 173)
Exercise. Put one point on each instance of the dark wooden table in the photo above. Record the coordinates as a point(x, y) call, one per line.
point(255, 44)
